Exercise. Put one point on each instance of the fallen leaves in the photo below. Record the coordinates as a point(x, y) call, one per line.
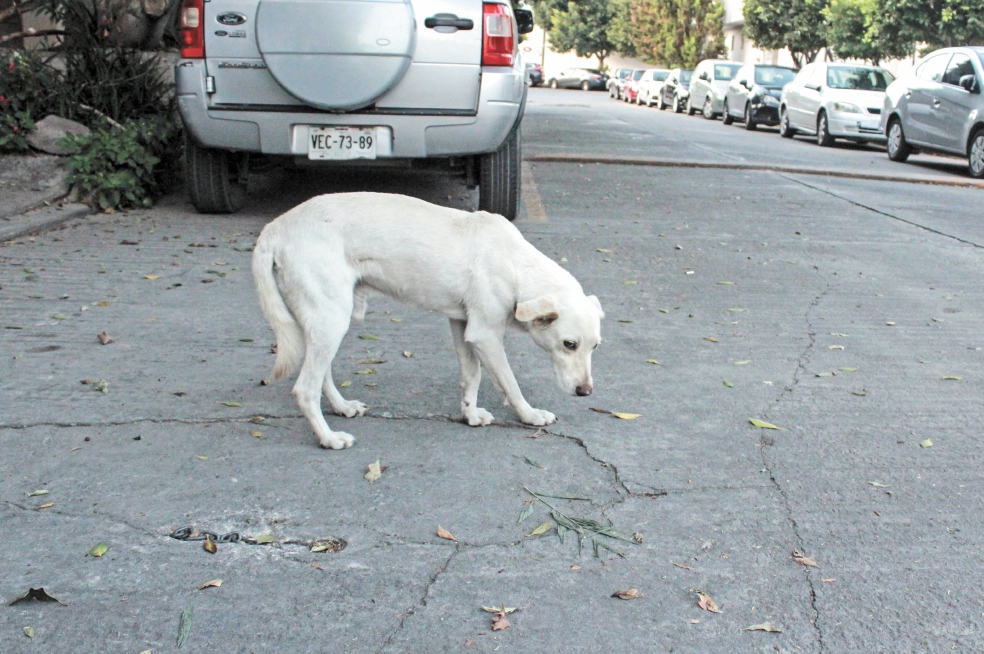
point(654, 362)
point(233, 404)
point(152, 276)
point(878, 485)
point(926, 443)
point(366, 371)
point(710, 339)
point(802, 559)
point(317, 566)
point(762, 424)
point(628, 594)
point(407, 354)
point(835, 347)
point(951, 378)
point(525, 513)
point(499, 622)
point(39, 594)
point(266, 539)
point(626, 416)
point(46, 506)
point(29, 632)
point(209, 545)
point(98, 550)
point(104, 338)
point(43, 491)
point(100, 385)
point(257, 419)
point(444, 533)
point(727, 383)
point(374, 472)
point(765, 626)
point(680, 565)
point(848, 369)
point(705, 602)
point(184, 624)
point(536, 434)
point(742, 363)
point(215, 583)
point(256, 434)
point(542, 529)
point(330, 545)
point(369, 337)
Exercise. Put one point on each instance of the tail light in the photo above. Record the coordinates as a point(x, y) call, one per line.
point(192, 29)
point(497, 35)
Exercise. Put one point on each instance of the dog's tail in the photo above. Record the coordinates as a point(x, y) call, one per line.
point(290, 338)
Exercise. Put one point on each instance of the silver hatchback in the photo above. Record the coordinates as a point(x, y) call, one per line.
point(938, 107)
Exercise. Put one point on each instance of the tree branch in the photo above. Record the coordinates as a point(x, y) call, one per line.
point(15, 8)
point(28, 33)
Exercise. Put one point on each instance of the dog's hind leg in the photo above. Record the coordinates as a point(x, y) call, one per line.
point(471, 376)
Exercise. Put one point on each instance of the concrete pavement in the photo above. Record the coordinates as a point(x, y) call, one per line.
point(781, 285)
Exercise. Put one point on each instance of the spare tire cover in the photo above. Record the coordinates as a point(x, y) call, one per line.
point(336, 54)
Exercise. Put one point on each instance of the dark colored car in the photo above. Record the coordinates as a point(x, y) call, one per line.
point(676, 90)
point(586, 79)
point(754, 93)
point(617, 81)
point(534, 74)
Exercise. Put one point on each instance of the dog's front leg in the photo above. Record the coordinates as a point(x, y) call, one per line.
point(471, 376)
point(487, 343)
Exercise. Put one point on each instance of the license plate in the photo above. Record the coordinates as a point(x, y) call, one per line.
point(341, 142)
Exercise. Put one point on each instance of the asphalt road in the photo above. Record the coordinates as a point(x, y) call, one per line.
point(844, 311)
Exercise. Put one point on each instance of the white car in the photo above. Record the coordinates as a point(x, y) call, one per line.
point(651, 85)
point(833, 101)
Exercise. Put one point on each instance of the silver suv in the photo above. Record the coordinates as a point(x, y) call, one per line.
point(938, 107)
point(437, 84)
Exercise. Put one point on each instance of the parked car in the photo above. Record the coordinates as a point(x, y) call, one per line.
point(676, 90)
point(534, 74)
point(938, 107)
point(753, 95)
point(651, 85)
point(630, 89)
point(255, 80)
point(835, 101)
point(708, 86)
point(616, 81)
point(586, 79)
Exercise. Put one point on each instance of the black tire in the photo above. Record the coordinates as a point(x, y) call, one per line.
point(824, 139)
point(661, 104)
point(585, 86)
point(785, 130)
point(726, 117)
point(898, 148)
point(975, 154)
point(677, 104)
point(553, 83)
point(749, 123)
point(708, 109)
point(212, 179)
point(499, 179)
point(690, 107)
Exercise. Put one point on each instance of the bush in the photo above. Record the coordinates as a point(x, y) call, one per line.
point(29, 89)
point(115, 167)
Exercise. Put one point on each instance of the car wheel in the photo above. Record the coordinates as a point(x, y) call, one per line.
point(898, 148)
point(975, 154)
point(611, 91)
point(498, 184)
point(707, 109)
point(726, 117)
point(213, 179)
point(585, 86)
point(824, 139)
point(661, 103)
point(677, 104)
point(690, 107)
point(749, 123)
point(553, 83)
point(785, 130)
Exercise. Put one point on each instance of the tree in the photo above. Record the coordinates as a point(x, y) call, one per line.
point(937, 23)
point(583, 27)
point(678, 32)
point(858, 29)
point(795, 24)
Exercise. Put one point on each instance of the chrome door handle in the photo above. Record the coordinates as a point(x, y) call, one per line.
point(908, 94)
point(936, 103)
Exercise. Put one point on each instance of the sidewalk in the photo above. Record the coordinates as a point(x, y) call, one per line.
point(32, 192)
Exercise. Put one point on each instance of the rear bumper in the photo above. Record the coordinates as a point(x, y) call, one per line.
point(272, 130)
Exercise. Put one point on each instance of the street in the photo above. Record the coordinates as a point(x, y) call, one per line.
point(845, 311)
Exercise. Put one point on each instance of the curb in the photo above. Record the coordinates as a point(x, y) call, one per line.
point(40, 220)
point(660, 163)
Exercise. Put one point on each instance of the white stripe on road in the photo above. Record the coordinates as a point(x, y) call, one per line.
point(535, 213)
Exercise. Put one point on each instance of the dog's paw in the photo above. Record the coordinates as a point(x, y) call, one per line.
point(477, 417)
point(350, 409)
point(337, 440)
point(539, 418)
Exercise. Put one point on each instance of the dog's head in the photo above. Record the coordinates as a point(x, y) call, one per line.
point(568, 327)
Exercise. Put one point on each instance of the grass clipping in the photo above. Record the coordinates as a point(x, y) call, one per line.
point(585, 528)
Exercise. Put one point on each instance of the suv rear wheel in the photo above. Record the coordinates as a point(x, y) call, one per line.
point(213, 179)
point(498, 185)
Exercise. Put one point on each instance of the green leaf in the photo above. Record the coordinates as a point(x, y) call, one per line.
point(231, 403)
point(723, 283)
point(184, 624)
point(742, 363)
point(762, 424)
point(526, 512)
point(43, 491)
point(29, 632)
point(728, 384)
point(926, 443)
point(265, 539)
point(847, 369)
point(369, 337)
point(542, 529)
point(366, 371)
point(735, 310)
point(98, 550)
point(765, 626)
point(533, 463)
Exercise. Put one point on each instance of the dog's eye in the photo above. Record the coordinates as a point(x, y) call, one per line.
point(571, 345)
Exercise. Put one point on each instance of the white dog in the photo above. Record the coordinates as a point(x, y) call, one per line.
point(314, 265)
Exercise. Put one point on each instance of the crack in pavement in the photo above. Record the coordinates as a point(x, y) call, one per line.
point(423, 598)
point(880, 212)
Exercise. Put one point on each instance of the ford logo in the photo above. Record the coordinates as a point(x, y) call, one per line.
point(230, 18)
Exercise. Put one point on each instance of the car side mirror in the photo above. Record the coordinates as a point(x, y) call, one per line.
point(969, 83)
point(524, 20)
point(744, 83)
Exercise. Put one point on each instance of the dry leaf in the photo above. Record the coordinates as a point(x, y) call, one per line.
point(848, 369)
point(316, 566)
point(39, 594)
point(372, 362)
point(265, 539)
point(637, 537)
point(627, 594)
point(805, 560)
point(711, 339)
point(256, 434)
point(762, 424)
point(742, 363)
point(765, 626)
point(926, 443)
point(231, 403)
point(29, 631)
point(257, 419)
point(99, 549)
point(951, 378)
point(626, 416)
point(827, 581)
point(835, 347)
point(599, 410)
point(499, 622)
point(575, 567)
point(542, 529)
point(680, 565)
point(209, 545)
point(374, 472)
point(104, 338)
point(152, 276)
point(726, 283)
point(695, 622)
point(407, 354)
point(369, 337)
point(43, 491)
point(444, 533)
point(499, 609)
point(536, 434)
point(203, 458)
point(347, 382)
point(707, 603)
point(208, 584)
point(654, 362)
point(603, 250)
point(890, 324)
point(46, 506)
point(366, 371)
point(877, 485)
point(826, 374)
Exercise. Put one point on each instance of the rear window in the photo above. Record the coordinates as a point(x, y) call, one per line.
point(636, 75)
point(725, 71)
point(861, 79)
point(773, 78)
point(685, 76)
point(593, 71)
point(661, 75)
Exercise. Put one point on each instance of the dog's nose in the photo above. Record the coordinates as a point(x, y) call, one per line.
point(583, 390)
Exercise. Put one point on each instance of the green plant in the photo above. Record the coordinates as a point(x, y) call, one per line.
point(29, 88)
point(117, 168)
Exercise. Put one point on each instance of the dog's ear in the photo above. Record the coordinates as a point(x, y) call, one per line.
point(593, 299)
point(541, 311)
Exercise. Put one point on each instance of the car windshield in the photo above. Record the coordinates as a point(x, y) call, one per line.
point(725, 71)
point(661, 75)
point(637, 74)
point(861, 79)
point(773, 78)
point(625, 72)
point(685, 76)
